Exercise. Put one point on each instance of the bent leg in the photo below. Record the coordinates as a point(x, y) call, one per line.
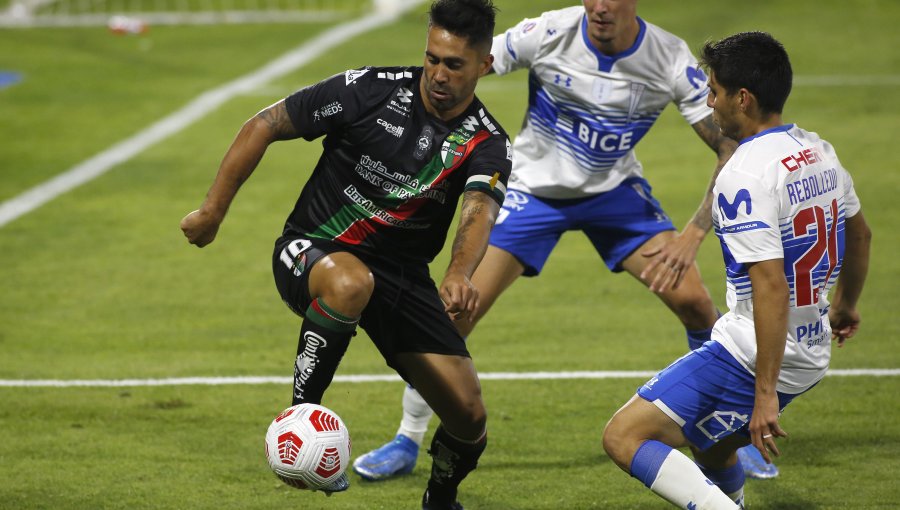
point(340, 286)
point(720, 464)
point(494, 274)
point(690, 301)
point(640, 439)
point(450, 385)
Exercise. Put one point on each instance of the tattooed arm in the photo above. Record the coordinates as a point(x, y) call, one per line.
point(479, 211)
point(270, 125)
point(676, 256)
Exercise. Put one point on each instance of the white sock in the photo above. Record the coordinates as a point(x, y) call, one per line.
point(674, 477)
point(416, 415)
point(681, 482)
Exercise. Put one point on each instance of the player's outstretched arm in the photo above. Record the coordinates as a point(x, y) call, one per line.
point(679, 254)
point(771, 296)
point(247, 149)
point(854, 268)
point(479, 211)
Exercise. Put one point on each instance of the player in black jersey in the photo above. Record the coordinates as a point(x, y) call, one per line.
point(401, 145)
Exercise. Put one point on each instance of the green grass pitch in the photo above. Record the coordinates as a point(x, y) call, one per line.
point(100, 284)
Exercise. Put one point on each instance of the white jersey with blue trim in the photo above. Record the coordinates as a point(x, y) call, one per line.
point(783, 195)
point(587, 110)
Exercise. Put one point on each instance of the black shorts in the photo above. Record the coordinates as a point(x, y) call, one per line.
point(404, 314)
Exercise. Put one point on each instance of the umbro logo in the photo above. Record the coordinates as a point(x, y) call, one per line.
point(404, 95)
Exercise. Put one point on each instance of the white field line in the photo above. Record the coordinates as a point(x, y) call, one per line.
point(370, 378)
point(193, 111)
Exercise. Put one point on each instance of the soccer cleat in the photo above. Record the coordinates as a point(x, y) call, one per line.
point(393, 459)
point(340, 485)
point(754, 464)
point(430, 504)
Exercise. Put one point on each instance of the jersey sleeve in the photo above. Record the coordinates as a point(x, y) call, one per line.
point(328, 105)
point(518, 47)
point(749, 219)
point(689, 86)
point(490, 166)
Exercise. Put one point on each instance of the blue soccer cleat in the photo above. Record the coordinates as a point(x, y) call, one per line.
point(754, 464)
point(393, 459)
point(340, 485)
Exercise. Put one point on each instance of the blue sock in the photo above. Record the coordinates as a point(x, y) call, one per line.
point(647, 460)
point(730, 480)
point(697, 337)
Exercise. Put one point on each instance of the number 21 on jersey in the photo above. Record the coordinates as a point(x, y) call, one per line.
point(821, 256)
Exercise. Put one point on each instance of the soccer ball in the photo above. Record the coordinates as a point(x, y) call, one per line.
point(308, 446)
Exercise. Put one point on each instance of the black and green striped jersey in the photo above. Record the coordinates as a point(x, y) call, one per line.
point(390, 175)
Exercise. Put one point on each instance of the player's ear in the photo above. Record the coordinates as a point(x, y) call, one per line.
point(744, 98)
point(487, 64)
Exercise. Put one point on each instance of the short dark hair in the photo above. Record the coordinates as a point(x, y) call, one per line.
point(472, 19)
point(755, 61)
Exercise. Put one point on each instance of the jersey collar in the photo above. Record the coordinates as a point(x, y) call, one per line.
point(605, 62)
point(778, 129)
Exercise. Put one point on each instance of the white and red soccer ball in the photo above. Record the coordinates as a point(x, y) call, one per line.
point(308, 446)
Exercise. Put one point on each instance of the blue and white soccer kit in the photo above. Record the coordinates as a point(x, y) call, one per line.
point(782, 195)
point(586, 113)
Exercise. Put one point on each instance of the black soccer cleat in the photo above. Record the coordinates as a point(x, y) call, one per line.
point(429, 503)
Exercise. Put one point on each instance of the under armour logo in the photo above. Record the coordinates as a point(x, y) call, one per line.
point(551, 32)
point(563, 79)
point(730, 209)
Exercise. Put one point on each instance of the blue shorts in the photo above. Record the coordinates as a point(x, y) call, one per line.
point(708, 393)
point(617, 222)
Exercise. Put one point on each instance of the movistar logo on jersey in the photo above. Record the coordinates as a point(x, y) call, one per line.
point(730, 209)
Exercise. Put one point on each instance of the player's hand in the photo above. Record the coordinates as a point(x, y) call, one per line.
point(670, 261)
point(460, 297)
point(200, 227)
point(844, 323)
point(764, 427)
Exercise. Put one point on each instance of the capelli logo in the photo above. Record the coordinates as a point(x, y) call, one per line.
point(390, 128)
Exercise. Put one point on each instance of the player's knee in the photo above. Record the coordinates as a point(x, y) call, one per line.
point(609, 438)
point(695, 308)
point(349, 290)
point(616, 441)
point(469, 421)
